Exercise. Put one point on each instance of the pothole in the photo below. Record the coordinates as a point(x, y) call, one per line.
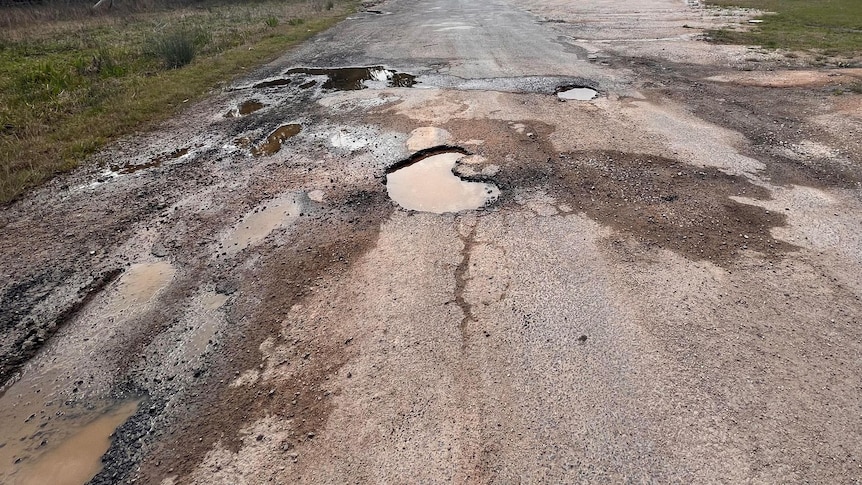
point(77, 459)
point(275, 139)
point(426, 182)
point(260, 222)
point(576, 93)
point(355, 78)
point(245, 108)
point(46, 438)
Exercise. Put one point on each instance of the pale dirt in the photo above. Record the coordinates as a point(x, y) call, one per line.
point(666, 290)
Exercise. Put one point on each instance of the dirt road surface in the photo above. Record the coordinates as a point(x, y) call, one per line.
point(658, 283)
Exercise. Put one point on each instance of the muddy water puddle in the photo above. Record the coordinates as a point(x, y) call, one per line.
point(428, 184)
point(577, 93)
point(276, 139)
point(46, 439)
point(245, 108)
point(261, 221)
point(140, 284)
point(355, 78)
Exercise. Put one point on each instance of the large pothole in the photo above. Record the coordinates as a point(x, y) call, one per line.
point(426, 182)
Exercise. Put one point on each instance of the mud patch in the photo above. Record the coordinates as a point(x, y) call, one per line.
point(155, 162)
point(312, 254)
point(140, 284)
point(355, 78)
point(16, 321)
point(426, 182)
point(275, 139)
point(770, 118)
point(260, 222)
point(668, 204)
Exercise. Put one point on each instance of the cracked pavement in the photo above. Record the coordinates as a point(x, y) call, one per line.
point(666, 288)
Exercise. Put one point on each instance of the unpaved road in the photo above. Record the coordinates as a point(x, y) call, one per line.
point(666, 289)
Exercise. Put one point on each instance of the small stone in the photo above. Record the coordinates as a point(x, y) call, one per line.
point(159, 250)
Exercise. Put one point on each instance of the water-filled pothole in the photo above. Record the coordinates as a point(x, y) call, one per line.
point(245, 108)
point(261, 221)
point(426, 182)
point(576, 93)
point(77, 459)
point(47, 438)
point(276, 139)
point(354, 78)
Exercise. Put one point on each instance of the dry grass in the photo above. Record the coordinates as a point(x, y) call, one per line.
point(68, 87)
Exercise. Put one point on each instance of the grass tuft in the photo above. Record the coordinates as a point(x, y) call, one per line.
point(175, 49)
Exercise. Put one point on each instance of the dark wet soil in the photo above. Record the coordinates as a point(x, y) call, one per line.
point(769, 117)
point(274, 83)
point(668, 204)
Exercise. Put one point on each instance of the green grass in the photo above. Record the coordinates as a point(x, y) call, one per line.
point(833, 27)
point(69, 87)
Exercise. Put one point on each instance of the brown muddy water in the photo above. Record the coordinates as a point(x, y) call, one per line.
point(245, 108)
point(54, 425)
point(208, 305)
point(275, 140)
point(43, 440)
point(429, 185)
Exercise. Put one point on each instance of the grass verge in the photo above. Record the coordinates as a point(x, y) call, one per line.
point(832, 27)
point(69, 87)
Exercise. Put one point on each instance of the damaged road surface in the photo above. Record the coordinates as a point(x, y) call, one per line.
point(487, 241)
